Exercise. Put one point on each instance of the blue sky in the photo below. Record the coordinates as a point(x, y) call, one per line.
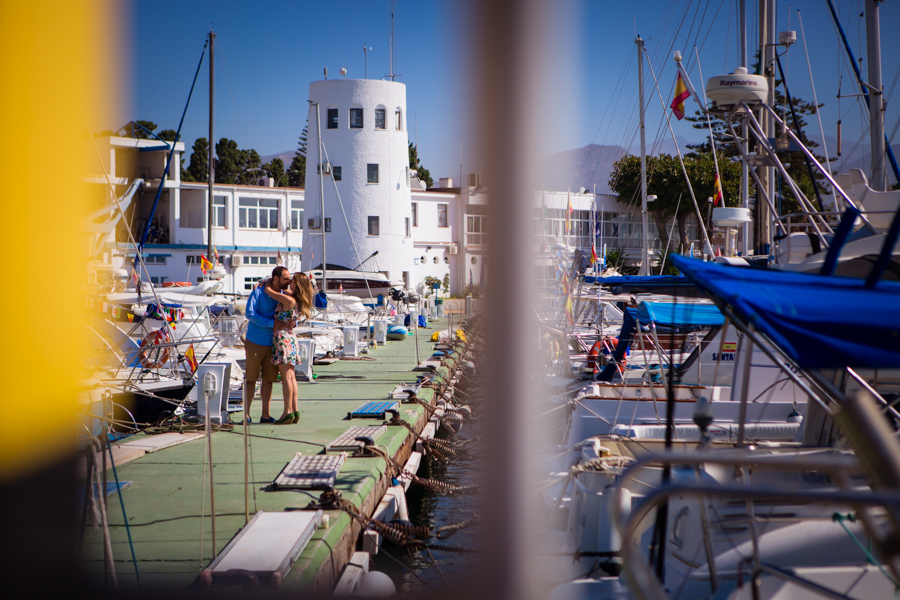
point(269, 53)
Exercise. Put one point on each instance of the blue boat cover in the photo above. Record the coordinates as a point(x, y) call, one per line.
point(680, 314)
point(820, 322)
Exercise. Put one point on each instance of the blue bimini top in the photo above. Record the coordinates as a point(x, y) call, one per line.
point(820, 322)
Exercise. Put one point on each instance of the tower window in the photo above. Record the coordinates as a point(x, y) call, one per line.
point(356, 118)
point(442, 215)
point(371, 173)
point(415, 214)
point(373, 226)
point(332, 118)
point(379, 118)
point(336, 171)
point(399, 117)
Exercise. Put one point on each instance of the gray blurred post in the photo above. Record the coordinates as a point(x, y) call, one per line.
point(509, 87)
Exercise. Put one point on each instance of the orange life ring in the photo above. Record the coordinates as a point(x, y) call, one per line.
point(152, 339)
point(614, 343)
point(168, 284)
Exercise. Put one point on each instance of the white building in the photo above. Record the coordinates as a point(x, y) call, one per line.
point(252, 225)
point(372, 201)
point(363, 170)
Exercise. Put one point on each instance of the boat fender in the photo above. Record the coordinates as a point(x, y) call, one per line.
point(152, 339)
point(375, 584)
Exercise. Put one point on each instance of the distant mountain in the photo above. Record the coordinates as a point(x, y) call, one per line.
point(287, 157)
point(666, 146)
point(592, 165)
point(583, 167)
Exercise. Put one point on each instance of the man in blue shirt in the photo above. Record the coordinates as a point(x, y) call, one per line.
point(258, 345)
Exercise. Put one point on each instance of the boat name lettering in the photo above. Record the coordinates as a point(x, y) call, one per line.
point(724, 356)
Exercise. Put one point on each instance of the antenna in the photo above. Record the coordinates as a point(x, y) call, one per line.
point(366, 50)
point(391, 74)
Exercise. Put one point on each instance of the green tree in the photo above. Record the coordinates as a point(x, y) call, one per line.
point(415, 164)
point(228, 161)
point(275, 170)
point(134, 129)
point(168, 135)
point(297, 171)
point(665, 180)
point(198, 169)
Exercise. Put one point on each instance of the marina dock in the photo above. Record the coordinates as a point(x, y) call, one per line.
point(168, 505)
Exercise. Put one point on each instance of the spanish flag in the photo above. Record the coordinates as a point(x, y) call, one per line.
point(681, 94)
point(719, 198)
point(568, 214)
point(191, 358)
point(593, 255)
point(205, 265)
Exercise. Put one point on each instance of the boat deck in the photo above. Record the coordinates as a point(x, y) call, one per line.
point(169, 491)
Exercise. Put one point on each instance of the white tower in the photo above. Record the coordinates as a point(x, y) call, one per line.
point(365, 150)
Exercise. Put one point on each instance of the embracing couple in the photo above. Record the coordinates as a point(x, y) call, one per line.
point(273, 310)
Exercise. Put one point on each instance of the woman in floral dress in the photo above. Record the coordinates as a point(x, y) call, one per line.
point(285, 349)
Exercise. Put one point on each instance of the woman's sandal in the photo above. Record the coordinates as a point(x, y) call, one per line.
point(286, 419)
point(296, 416)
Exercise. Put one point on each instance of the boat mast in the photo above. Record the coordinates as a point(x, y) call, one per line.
point(322, 200)
point(645, 226)
point(212, 163)
point(745, 141)
point(876, 99)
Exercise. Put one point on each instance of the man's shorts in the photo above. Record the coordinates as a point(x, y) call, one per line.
point(259, 360)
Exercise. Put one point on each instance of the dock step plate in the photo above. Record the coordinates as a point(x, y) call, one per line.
point(347, 440)
point(267, 546)
point(317, 472)
point(374, 409)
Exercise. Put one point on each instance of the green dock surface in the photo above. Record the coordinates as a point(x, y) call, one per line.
point(170, 492)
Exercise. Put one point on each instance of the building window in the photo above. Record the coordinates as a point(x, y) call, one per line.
point(356, 118)
point(442, 215)
point(474, 230)
point(158, 280)
point(336, 173)
point(193, 259)
point(373, 225)
point(408, 232)
point(371, 173)
point(399, 117)
point(328, 225)
point(406, 279)
point(379, 118)
point(220, 211)
point(297, 214)
point(474, 260)
point(415, 214)
point(250, 282)
point(332, 118)
point(154, 260)
point(435, 260)
point(258, 213)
